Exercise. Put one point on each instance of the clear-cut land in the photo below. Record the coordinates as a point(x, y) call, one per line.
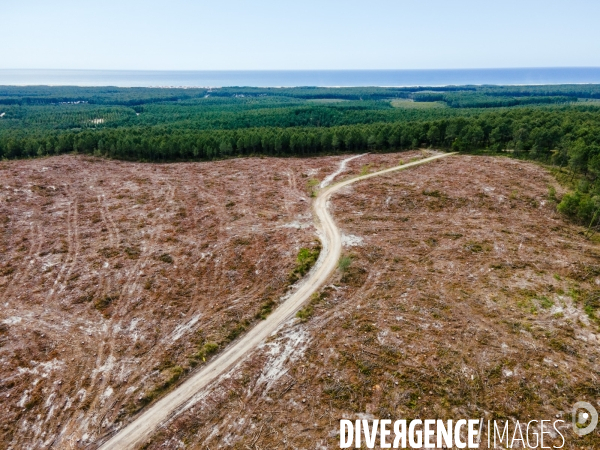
point(462, 294)
point(179, 400)
point(117, 280)
point(468, 297)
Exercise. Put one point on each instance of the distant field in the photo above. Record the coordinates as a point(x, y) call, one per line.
point(410, 104)
point(326, 100)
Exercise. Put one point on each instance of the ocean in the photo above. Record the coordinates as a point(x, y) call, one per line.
point(290, 78)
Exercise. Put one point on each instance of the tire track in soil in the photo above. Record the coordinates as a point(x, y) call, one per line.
point(170, 199)
point(111, 237)
point(128, 288)
point(75, 242)
point(72, 251)
point(113, 226)
point(104, 288)
point(65, 269)
point(131, 283)
point(287, 194)
point(36, 246)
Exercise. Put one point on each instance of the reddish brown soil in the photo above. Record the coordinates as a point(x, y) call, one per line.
point(465, 299)
point(116, 279)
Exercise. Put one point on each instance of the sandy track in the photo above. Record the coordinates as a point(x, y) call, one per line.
point(138, 431)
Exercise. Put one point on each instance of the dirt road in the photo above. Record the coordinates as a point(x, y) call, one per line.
point(138, 431)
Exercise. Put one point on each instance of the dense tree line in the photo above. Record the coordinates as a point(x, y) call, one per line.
point(546, 133)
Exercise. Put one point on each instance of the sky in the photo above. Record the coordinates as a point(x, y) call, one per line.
point(297, 35)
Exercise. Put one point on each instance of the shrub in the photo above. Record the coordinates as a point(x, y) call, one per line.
point(344, 263)
point(579, 206)
point(173, 375)
point(237, 330)
point(305, 313)
point(306, 258)
point(166, 258)
point(265, 309)
point(552, 194)
point(132, 252)
point(206, 350)
point(103, 303)
point(210, 347)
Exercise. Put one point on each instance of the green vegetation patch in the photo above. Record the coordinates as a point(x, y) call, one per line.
point(307, 257)
point(591, 305)
point(307, 312)
point(351, 274)
point(265, 309)
point(172, 375)
point(205, 350)
point(344, 263)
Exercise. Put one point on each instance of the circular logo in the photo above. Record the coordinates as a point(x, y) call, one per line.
point(585, 418)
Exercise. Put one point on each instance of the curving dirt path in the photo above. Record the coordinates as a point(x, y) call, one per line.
point(138, 431)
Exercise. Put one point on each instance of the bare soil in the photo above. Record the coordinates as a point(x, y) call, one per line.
point(464, 295)
point(118, 279)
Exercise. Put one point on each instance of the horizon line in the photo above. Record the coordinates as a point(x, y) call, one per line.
point(306, 70)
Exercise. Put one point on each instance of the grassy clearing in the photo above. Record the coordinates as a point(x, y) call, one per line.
point(410, 104)
point(326, 100)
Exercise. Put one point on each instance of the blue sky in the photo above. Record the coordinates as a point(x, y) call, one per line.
point(308, 34)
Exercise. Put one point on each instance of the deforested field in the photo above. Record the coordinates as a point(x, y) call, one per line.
point(117, 279)
point(461, 292)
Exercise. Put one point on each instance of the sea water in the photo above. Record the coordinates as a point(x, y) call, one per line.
point(290, 78)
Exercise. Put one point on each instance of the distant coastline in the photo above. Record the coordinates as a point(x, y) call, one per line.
point(293, 78)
